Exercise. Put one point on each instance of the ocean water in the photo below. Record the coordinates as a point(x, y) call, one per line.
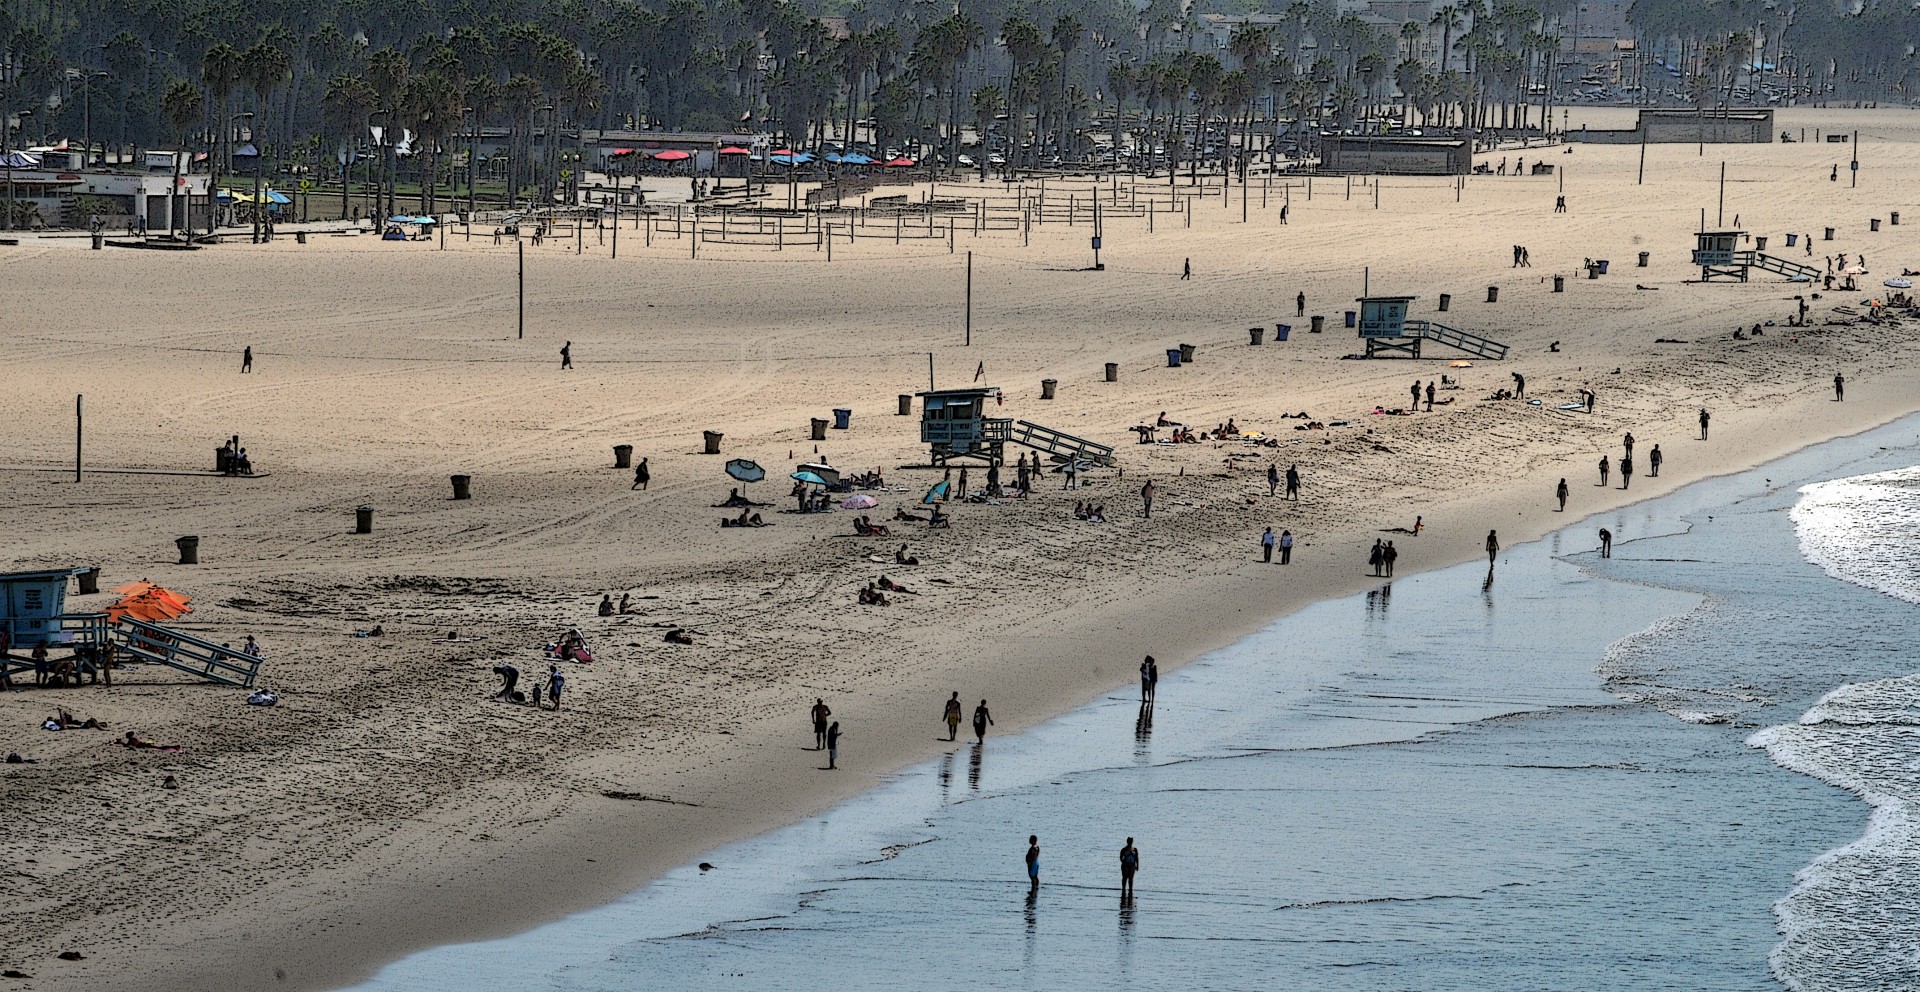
point(1581, 774)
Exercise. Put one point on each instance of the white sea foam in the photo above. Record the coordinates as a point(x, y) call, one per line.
point(1862, 530)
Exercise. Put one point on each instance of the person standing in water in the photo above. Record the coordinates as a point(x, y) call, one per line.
point(1560, 492)
point(1129, 864)
point(982, 719)
point(952, 716)
point(1606, 543)
point(1493, 548)
point(1033, 860)
point(820, 713)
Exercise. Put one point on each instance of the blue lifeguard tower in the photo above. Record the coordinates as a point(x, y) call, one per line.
point(1718, 253)
point(32, 603)
point(33, 611)
point(954, 424)
point(1385, 328)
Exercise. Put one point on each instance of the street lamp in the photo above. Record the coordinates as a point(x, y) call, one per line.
point(6, 152)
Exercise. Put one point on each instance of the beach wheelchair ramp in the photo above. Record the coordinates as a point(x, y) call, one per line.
point(1059, 443)
point(1413, 333)
point(157, 645)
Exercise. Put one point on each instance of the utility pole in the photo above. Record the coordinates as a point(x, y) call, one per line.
point(969, 318)
point(523, 285)
point(79, 433)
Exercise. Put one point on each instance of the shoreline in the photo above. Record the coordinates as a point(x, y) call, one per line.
point(385, 807)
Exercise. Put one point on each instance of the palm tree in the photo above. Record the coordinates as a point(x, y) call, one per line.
point(582, 89)
point(1410, 33)
point(219, 74)
point(1252, 46)
point(988, 103)
point(1065, 37)
point(185, 108)
point(387, 74)
point(1449, 18)
point(265, 68)
point(349, 100)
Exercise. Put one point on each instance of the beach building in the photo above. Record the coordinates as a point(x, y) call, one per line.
point(1723, 126)
point(1395, 156)
point(49, 181)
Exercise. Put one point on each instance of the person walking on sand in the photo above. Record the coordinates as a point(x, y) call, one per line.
point(566, 355)
point(1286, 547)
point(1129, 864)
point(962, 491)
point(1293, 483)
point(641, 476)
point(1493, 548)
point(246, 360)
point(819, 713)
point(1387, 557)
point(556, 683)
point(1704, 417)
point(1839, 388)
point(1653, 463)
point(1626, 472)
point(1186, 269)
point(1429, 395)
point(1560, 493)
point(982, 719)
point(1627, 443)
point(1146, 500)
point(1273, 478)
point(833, 746)
point(1516, 256)
point(1606, 543)
point(1033, 861)
point(1605, 465)
point(952, 716)
point(1377, 557)
point(1266, 546)
point(1416, 396)
point(1300, 304)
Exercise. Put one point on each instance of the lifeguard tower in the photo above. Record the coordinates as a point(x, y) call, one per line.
point(1718, 254)
point(1385, 328)
point(33, 611)
point(954, 424)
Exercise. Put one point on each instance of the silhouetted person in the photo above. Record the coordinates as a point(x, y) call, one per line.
point(1129, 864)
point(1839, 386)
point(1186, 269)
point(1704, 417)
point(1654, 458)
point(1606, 543)
point(952, 716)
point(1300, 304)
point(641, 476)
point(1560, 492)
point(833, 745)
point(246, 360)
point(982, 719)
point(566, 355)
point(1273, 478)
point(1033, 860)
point(1293, 483)
point(820, 712)
point(1605, 465)
point(1493, 548)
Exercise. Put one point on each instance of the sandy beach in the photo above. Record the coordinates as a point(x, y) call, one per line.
point(387, 804)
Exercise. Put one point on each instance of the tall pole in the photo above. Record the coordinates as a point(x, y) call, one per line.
point(929, 371)
point(1642, 177)
point(1720, 219)
point(969, 313)
point(1854, 166)
point(79, 433)
point(523, 285)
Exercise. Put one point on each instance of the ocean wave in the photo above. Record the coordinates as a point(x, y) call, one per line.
point(1852, 920)
point(1861, 530)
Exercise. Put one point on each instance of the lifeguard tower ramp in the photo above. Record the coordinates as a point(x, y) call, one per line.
point(1387, 331)
point(954, 424)
point(157, 645)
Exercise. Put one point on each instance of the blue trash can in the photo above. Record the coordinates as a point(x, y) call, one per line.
point(1353, 319)
point(1601, 264)
point(1173, 358)
point(1280, 331)
point(840, 418)
point(1793, 240)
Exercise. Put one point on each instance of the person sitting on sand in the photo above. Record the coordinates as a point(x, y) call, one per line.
point(869, 596)
point(901, 557)
point(1163, 421)
point(1097, 514)
point(606, 604)
point(1079, 510)
point(1231, 430)
point(678, 635)
point(938, 519)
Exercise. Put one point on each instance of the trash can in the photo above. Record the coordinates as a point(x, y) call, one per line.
point(363, 520)
point(1874, 224)
point(1353, 319)
point(1894, 218)
point(1446, 302)
point(89, 580)
point(1047, 387)
point(819, 429)
point(1319, 322)
point(1186, 353)
point(713, 441)
point(460, 486)
point(1559, 284)
point(222, 461)
point(906, 404)
point(1113, 371)
point(1643, 258)
point(189, 550)
point(99, 241)
point(623, 456)
point(1493, 294)
point(1829, 234)
point(1281, 331)
point(1759, 242)
point(300, 237)
point(1793, 240)
point(1173, 358)
point(842, 418)
point(1593, 271)
point(1602, 263)
point(1257, 334)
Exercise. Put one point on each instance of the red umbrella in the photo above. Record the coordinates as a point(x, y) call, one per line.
point(672, 155)
point(899, 163)
point(623, 151)
point(734, 150)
